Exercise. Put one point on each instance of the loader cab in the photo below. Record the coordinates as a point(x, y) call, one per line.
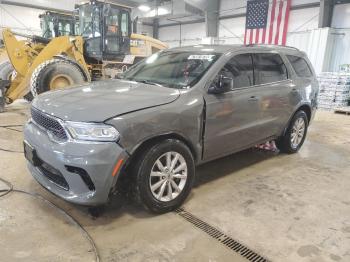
point(106, 29)
point(55, 24)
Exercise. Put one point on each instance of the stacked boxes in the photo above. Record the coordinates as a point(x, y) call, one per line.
point(334, 90)
point(345, 68)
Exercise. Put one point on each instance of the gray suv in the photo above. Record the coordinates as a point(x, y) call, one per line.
point(176, 109)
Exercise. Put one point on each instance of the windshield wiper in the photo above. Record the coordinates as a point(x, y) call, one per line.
point(149, 82)
point(146, 81)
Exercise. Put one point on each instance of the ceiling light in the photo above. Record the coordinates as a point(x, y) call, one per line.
point(144, 8)
point(162, 11)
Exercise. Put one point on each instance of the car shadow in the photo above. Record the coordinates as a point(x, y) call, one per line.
point(229, 165)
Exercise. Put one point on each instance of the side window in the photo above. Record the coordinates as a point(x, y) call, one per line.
point(125, 24)
point(269, 68)
point(112, 30)
point(300, 66)
point(240, 69)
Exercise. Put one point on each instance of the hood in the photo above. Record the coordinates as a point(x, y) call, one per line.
point(99, 101)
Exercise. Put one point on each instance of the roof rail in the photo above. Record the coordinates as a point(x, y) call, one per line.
point(268, 45)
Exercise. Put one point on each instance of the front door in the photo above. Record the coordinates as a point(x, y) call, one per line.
point(231, 117)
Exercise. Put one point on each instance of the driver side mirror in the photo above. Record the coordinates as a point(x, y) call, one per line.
point(221, 85)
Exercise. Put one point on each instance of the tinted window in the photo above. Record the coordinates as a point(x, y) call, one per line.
point(269, 68)
point(300, 66)
point(240, 69)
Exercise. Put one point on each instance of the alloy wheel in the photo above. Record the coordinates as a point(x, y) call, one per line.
point(168, 176)
point(298, 132)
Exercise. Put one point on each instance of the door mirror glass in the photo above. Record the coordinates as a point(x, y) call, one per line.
point(221, 85)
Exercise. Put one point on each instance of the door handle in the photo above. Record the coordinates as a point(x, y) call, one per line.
point(253, 99)
point(294, 90)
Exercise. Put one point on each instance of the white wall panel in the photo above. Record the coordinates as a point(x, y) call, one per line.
point(231, 31)
point(299, 40)
point(60, 4)
point(326, 48)
point(147, 30)
point(228, 7)
point(316, 44)
point(234, 27)
point(303, 19)
point(27, 22)
point(341, 16)
point(191, 34)
point(340, 53)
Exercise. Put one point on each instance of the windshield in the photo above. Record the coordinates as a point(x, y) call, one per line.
point(89, 21)
point(172, 69)
point(54, 26)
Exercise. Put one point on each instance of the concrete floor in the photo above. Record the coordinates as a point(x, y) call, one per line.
point(285, 207)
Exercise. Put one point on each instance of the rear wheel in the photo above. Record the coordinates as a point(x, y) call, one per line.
point(55, 74)
point(164, 176)
point(295, 134)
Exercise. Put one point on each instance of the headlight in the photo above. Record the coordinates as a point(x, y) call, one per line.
point(91, 131)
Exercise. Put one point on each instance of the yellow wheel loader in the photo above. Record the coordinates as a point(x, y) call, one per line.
point(52, 24)
point(104, 48)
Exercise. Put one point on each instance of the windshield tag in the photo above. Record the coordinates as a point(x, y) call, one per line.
point(201, 57)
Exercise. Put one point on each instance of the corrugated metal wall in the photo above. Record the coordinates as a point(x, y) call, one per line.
point(326, 48)
point(341, 49)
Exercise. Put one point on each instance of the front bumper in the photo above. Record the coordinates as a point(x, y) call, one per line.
point(70, 159)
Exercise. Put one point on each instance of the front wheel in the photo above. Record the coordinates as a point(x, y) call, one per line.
point(295, 134)
point(164, 176)
point(55, 74)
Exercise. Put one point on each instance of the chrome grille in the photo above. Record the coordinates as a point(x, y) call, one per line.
point(48, 123)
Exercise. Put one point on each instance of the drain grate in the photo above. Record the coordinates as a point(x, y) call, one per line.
point(221, 237)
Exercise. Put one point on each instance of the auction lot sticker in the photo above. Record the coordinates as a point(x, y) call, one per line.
point(201, 57)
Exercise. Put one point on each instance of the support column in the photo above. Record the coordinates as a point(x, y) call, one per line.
point(156, 28)
point(326, 13)
point(212, 18)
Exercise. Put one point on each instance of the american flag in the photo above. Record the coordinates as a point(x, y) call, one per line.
point(267, 22)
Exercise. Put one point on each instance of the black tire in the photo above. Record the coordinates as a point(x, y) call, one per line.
point(284, 143)
point(6, 70)
point(47, 71)
point(142, 172)
point(28, 97)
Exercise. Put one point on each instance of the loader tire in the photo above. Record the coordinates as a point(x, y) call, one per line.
point(6, 70)
point(55, 74)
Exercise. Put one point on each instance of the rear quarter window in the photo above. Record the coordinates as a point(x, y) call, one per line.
point(268, 68)
point(300, 66)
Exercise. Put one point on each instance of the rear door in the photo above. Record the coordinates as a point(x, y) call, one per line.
point(273, 86)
